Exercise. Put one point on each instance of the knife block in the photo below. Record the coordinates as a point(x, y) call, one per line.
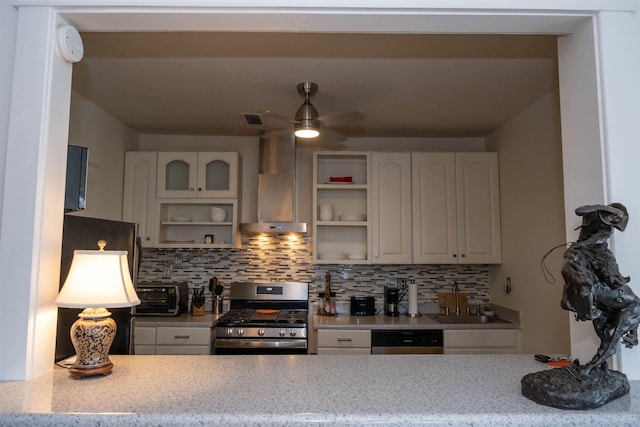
point(449, 299)
point(197, 311)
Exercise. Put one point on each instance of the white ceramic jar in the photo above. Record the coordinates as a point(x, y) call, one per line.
point(326, 212)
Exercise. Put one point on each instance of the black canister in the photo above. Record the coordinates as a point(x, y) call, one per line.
point(391, 300)
point(363, 306)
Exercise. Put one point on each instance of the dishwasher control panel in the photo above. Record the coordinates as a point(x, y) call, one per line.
point(403, 341)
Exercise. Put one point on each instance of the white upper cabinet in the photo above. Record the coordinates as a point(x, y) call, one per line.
point(423, 208)
point(391, 240)
point(183, 199)
point(478, 207)
point(434, 204)
point(456, 208)
point(341, 207)
point(139, 195)
point(197, 175)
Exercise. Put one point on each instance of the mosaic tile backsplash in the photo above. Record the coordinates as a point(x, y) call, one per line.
point(279, 257)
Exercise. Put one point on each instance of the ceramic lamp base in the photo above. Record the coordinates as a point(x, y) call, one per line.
point(92, 335)
point(79, 371)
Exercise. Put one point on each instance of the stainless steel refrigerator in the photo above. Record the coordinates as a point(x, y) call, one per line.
point(83, 233)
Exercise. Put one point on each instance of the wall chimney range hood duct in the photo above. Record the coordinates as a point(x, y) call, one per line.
point(276, 186)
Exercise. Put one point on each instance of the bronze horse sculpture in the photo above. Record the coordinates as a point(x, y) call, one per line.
point(596, 291)
point(594, 287)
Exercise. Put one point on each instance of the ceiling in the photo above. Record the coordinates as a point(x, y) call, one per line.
point(405, 85)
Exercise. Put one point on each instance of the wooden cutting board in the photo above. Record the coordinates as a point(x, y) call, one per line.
point(449, 299)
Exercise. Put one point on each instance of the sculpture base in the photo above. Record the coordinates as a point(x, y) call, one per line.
point(564, 388)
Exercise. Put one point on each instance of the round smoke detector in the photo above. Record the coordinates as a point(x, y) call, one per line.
point(70, 43)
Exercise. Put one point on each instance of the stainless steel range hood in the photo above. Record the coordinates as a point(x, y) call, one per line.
point(276, 186)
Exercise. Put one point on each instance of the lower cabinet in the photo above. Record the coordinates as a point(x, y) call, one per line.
point(172, 340)
point(482, 341)
point(344, 341)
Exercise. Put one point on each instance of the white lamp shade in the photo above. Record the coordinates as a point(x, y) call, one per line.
point(98, 279)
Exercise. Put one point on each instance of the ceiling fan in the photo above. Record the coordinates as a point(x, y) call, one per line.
point(310, 128)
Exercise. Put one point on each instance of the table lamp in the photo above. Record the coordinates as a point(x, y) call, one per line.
point(97, 280)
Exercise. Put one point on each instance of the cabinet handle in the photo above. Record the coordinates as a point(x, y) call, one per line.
point(185, 337)
point(348, 339)
point(199, 189)
point(463, 255)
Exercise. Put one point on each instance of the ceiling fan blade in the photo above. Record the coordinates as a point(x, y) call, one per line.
point(338, 118)
point(275, 133)
point(331, 135)
point(348, 130)
point(278, 117)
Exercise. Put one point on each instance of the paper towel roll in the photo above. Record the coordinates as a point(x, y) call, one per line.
point(413, 298)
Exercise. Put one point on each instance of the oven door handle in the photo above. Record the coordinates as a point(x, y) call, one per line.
point(249, 343)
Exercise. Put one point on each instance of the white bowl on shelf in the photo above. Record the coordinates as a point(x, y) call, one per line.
point(357, 256)
point(331, 255)
point(218, 214)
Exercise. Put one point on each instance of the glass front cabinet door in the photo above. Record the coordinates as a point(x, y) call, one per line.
point(197, 175)
point(218, 175)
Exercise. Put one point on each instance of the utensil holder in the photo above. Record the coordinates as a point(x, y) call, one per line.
point(216, 304)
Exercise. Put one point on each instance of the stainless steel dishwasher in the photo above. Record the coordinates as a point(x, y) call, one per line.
point(407, 341)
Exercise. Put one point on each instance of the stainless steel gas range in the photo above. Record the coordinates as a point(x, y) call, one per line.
point(264, 318)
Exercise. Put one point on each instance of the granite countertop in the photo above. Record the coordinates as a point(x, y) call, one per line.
point(381, 321)
point(208, 320)
point(479, 390)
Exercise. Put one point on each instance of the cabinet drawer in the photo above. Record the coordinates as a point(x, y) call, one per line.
point(480, 338)
point(183, 349)
point(183, 336)
point(344, 339)
point(144, 336)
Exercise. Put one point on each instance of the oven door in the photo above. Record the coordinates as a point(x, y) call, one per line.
point(259, 346)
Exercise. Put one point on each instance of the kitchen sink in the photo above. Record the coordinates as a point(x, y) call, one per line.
point(465, 318)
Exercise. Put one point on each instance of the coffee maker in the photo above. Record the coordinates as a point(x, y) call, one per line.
point(391, 301)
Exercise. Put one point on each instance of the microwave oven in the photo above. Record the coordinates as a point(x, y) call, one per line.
point(162, 299)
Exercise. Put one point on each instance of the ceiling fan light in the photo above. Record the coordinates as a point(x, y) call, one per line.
point(307, 130)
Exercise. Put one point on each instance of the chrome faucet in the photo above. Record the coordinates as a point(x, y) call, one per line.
point(456, 290)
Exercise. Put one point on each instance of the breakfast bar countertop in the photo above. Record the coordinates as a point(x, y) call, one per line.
point(479, 390)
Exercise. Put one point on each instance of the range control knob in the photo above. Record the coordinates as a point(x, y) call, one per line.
point(229, 331)
point(240, 332)
point(282, 332)
point(261, 332)
point(293, 332)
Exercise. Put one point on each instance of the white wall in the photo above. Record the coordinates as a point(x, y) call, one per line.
point(8, 23)
point(35, 141)
point(620, 68)
point(583, 163)
point(532, 212)
point(33, 199)
point(107, 139)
